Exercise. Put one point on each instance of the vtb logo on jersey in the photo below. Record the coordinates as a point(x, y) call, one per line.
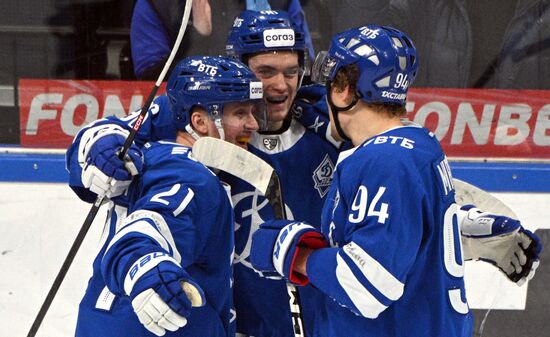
point(270, 143)
point(322, 176)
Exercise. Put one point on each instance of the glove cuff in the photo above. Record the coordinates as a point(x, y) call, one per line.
point(289, 240)
point(142, 266)
point(311, 241)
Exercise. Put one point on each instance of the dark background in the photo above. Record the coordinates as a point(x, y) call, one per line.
point(461, 44)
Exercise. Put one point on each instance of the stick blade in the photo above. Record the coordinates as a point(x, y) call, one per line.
point(468, 194)
point(219, 154)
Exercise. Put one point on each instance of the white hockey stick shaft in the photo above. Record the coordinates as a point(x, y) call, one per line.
point(224, 156)
point(99, 200)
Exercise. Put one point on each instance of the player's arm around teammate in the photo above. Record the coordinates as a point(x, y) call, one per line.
point(168, 264)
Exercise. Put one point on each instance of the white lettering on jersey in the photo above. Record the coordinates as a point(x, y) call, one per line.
point(446, 176)
point(359, 206)
point(401, 141)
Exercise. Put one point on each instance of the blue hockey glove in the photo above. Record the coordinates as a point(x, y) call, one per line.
point(310, 106)
point(501, 241)
point(104, 173)
point(162, 293)
point(276, 244)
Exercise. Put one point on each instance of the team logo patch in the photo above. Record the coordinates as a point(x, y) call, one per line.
point(270, 143)
point(322, 176)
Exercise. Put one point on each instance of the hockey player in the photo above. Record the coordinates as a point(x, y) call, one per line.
point(305, 165)
point(274, 49)
point(276, 52)
point(388, 257)
point(179, 231)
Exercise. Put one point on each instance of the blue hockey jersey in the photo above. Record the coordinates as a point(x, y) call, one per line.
point(394, 267)
point(179, 207)
point(305, 165)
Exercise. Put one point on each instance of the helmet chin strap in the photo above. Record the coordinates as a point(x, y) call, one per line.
point(192, 132)
point(219, 126)
point(334, 110)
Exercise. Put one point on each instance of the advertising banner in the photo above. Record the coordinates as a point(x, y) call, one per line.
point(52, 111)
point(479, 123)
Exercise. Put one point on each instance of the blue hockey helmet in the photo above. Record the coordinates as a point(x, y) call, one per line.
point(386, 58)
point(209, 82)
point(264, 31)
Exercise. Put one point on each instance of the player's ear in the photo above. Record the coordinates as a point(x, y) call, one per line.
point(199, 121)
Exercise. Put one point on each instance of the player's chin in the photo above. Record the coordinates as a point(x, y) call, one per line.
point(278, 114)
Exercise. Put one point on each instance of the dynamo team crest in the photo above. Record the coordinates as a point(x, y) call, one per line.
point(322, 176)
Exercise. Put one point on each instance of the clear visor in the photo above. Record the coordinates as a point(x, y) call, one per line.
point(322, 67)
point(248, 115)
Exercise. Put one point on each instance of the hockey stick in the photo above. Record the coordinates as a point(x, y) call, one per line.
point(244, 165)
point(95, 207)
point(467, 194)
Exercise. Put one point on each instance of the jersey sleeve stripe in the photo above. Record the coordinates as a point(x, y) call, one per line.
point(367, 305)
point(142, 227)
point(161, 225)
point(377, 275)
point(184, 202)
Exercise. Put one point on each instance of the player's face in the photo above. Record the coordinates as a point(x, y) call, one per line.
point(279, 73)
point(239, 122)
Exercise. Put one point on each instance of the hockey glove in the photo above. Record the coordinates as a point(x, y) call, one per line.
point(501, 241)
point(162, 294)
point(310, 108)
point(276, 244)
point(104, 173)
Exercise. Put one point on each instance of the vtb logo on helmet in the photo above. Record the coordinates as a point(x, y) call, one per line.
point(209, 82)
point(385, 56)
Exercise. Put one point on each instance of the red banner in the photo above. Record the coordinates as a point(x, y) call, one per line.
point(468, 122)
point(52, 111)
point(485, 122)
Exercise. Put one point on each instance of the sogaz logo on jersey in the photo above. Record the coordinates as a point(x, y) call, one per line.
point(279, 37)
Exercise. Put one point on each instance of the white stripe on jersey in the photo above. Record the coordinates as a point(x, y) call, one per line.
point(160, 232)
point(142, 227)
point(281, 142)
point(377, 275)
point(161, 226)
point(363, 300)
